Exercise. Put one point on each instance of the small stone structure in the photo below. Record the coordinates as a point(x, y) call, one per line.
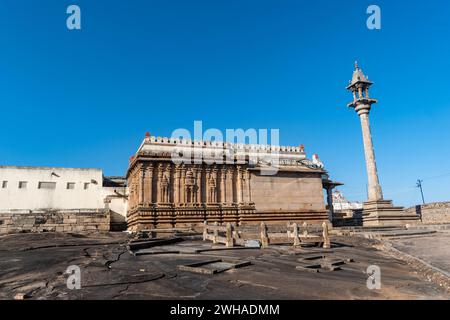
point(17, 221)
point(215, 237)
point(432, 213)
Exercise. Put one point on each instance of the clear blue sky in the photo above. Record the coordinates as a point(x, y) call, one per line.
point(85, 98)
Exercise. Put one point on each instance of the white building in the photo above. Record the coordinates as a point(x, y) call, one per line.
point(340, 203)
point(46, 188)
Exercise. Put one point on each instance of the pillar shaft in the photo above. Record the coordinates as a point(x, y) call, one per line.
point(198, 186)
point(214, 185)
point(141, 185)
point(374, 188)
point(148, 185)
point(183, 198)
point(229, 186)
point(222, 186)
point(159, 184)
point(239, 185)
point(176, 185)
point(249, 192)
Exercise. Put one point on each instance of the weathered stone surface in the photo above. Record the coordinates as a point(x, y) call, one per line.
point(28, 259)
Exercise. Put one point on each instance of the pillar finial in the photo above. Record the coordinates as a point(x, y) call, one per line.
point(356, 65)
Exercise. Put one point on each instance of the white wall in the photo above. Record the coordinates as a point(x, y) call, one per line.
point(33, 198)
point(118, 205)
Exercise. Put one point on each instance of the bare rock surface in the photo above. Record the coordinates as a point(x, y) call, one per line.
point(32, 266)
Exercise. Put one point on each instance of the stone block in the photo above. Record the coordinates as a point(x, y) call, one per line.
point(78, 228)
point(252, 244)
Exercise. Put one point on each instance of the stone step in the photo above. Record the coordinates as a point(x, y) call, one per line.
point(403, 233)
point(367, 229)
point(430, 227)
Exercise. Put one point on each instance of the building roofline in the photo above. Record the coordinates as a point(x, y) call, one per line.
point(48, 168)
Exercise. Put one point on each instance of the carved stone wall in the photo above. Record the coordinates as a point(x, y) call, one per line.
point(221, 182)
point(166, 194)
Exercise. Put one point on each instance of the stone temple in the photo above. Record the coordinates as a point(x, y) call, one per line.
point(178, 182)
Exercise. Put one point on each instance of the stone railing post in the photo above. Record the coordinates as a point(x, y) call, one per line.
point(229, 235)
point(216, 233)
point(264, 237)
point(295, 234)
point(205, 230)
point(326, 237)
point(305, 229)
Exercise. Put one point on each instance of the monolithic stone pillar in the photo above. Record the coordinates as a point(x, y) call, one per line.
point(362, 105)
point(374, 187)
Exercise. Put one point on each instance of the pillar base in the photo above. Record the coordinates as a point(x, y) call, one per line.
point(383, 213)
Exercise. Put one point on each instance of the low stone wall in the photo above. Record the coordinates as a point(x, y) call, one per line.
point(17, 221)
point(347, 218)
point(433, 213)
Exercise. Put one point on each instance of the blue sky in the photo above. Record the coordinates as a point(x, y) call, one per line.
point(85, 98)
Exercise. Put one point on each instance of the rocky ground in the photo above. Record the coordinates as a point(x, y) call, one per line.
point(33, 266)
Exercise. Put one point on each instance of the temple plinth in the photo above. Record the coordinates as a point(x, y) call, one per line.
point(376, 210)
